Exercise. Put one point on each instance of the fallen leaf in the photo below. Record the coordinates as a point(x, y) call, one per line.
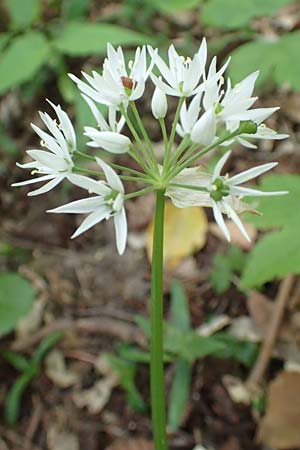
point(244, 328)
point(237, 389)
point(280, 428)
point(58, 439)
point(236, 237)
point(131, 444)
point(184, 233)
point(216, 324)
point(57, 371)
point(95, 398)
point(260, 309)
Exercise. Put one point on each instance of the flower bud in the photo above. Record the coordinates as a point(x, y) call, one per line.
point(108, 140)
point(247, 127)
point(159, 104)
point(204, 130)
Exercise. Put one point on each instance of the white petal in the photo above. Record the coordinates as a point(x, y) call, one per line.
point(121, 230)
point(47, 187)
point(164, 87)
point(239, 190)
point(159, 104)
point(92, 186)
point(250, 173)
point(50, 160)
point(84, 206)
point(219, 219)
point(111, 176)
point(102, 124)
point(233, 215)
point(220, 164)
point(97, 216)
point(34, 180)
point(108, 140)
point(204, 130)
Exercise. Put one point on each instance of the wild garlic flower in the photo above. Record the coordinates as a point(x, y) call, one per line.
point(183, 75)
point(108, 202)
point(159, 104)
point(55, 163)
point(194, 187)
point(118, 84)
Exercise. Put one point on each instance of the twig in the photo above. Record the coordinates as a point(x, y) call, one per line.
point(34, 422)
point(258, 371)
point(112, 327)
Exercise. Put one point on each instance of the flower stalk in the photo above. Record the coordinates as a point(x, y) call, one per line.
point(156, 365)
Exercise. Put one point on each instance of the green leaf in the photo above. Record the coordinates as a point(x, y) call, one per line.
point(79, 39)
point(23, 12)
point(75, 9)
point(179, 394)
point(236, 14)
point(244, 352)
point(4, 38)
point(224, 267)
point(14, 397)
point(171, 6)
point(186, 345)
point(274, 256)
point(16, 360)
point(20, 61)
point(280, 210)
point(264, 55)
point(126, 372)
point(16, 299)
point(180, 315)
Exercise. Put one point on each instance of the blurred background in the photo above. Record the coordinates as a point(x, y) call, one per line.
point(74, 325)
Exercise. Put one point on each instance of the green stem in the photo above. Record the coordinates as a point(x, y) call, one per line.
point(97, 173)
point(173, 131)
point(144, 133)
point(138, 193)
point(157, 367)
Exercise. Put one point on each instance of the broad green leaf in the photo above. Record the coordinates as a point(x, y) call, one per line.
point(79, 39)
point(75, 9)
point(224, 267)
point(287, 72)
point(274, 256)
point(16, 299)
point(23, 12)
point(247, 58)
point(20, 61)
point(126, 373)
point(4, 38)
point(265, 55)
point(280, 210)
point(179, 393)
point(170, 6)
point(180, 315)
point(236, 14)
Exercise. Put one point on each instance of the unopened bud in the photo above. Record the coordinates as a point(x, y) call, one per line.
point(128, 83)
point(159, 104)
point(247, 127)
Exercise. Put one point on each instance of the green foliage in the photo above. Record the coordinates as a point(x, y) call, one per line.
point(244, 352)
point(20, 61)
point(30, 369)
point(181, 385)
point(126, 371)
point(277, 253)
point(237, 14)
point(278, 61)
point(224, 267)
point(4, 38)
point(172, 6)
point(16, 299)
point(80, 39)
point(75, 9)
point(22, 12)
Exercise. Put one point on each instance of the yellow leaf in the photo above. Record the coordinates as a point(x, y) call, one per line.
point(184, 233)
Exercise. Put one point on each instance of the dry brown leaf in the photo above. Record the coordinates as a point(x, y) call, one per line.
point(131, 444)
point(95, 398)
point(58, 439)
point(238, 391)
point(261, 309)
point(216, 324)
point(244, 328)
point(57, 371)
point(236, 237)
point(185, 232)
point(280, 427)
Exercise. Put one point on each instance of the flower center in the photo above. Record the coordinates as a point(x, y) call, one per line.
point(128, 84)
point(219, 190)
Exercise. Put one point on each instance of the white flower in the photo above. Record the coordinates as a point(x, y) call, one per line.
point(55, 163)
point(222, 193)
point(108, 202)
point(183, 75)
point(117, 85)
point(189, 116)
point(109, 140)
point(159, 104)
point(204, 130)
point(109, 124)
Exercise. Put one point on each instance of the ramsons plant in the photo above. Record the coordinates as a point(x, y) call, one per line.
point(207, 116)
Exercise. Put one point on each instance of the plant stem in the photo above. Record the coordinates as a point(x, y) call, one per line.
point(157, 368)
